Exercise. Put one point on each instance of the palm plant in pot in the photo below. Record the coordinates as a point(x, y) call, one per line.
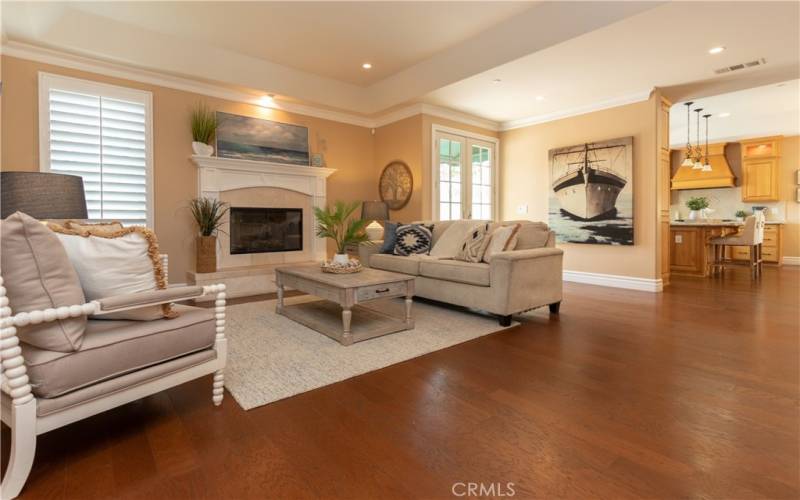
point(338, 224)
point(695, 205)
point(204, 126)
point(207, 213)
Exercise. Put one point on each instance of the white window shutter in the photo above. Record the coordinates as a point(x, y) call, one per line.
point(103, 139)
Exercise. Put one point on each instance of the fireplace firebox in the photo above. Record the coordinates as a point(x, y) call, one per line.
point(263, 230)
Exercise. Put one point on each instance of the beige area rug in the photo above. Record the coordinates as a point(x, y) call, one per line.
point(270, 357)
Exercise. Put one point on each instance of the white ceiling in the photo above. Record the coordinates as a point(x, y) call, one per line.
point(758, 112)
point(651, 49)
point(330, 39)
point(577, 55)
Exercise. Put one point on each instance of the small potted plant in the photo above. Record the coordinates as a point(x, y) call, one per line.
point(695, 205)
point(207, 213)
point(338, 225)
point(740, 215)
point(204, 126)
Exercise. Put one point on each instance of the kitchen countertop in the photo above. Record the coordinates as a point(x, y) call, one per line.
point(713, 222)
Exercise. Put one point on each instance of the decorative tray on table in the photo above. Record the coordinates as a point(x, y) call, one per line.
point(353, 266)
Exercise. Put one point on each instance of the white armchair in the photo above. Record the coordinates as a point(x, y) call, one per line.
point(29, 410)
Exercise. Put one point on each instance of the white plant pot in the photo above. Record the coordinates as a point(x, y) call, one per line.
point(692, 214)
point(202, 149)
point(740, 219)
point(341, 259)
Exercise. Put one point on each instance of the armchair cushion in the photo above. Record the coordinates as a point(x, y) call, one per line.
point(114, 348)
point(118, 262)
point(38, 275)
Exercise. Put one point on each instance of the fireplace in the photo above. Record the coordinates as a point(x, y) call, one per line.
point(265, 230)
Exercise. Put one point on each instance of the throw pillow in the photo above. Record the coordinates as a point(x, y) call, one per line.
point(389, 237)
point(503, 239)
point(117, 262)
point(474, 245)
point(449, 244)
point(413, 239)
point(93, 227)
point(38, 275)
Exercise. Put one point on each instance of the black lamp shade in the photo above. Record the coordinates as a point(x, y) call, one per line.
point(42, 195)
point(374, 210)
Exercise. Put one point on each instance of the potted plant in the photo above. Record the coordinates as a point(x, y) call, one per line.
point(338, 225)
point(695, 205)
point(204, 126)
point(207, 213)
point(740, 215)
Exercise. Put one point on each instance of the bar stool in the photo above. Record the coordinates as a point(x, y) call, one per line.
point(750, 235)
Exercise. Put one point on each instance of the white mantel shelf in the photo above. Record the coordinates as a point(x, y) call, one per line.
point(260, 166)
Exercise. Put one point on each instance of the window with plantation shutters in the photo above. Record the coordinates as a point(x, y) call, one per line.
point(101, 133)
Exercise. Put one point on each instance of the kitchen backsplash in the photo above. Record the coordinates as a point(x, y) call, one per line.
point(725, 202)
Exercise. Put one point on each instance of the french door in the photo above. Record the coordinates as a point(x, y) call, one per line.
point(465, 176)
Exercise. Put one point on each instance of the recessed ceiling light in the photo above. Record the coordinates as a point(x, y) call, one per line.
point(267, 100)
point(366, 65)
point(540, 98)
point(497, 80)
point(716, 50)
point(724, 115)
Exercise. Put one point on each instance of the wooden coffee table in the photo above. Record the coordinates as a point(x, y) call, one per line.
point(340, 316)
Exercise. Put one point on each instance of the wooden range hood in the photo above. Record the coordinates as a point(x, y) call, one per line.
point(720, 176)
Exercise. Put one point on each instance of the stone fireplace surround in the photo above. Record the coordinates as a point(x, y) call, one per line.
point(245, 183)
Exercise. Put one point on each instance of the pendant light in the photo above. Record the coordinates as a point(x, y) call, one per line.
point(698, 160)
point(706, 165)
point(687, 161)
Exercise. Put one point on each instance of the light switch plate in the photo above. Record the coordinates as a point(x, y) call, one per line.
point(678, 238)
point(522, 209)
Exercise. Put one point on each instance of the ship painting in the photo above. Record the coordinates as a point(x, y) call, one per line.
point(592, 192)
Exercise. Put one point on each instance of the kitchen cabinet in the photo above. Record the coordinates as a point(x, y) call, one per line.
point(761, 169)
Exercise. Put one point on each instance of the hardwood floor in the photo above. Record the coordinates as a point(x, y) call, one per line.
point(689, 393)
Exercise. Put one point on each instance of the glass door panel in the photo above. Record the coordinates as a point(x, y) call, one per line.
point(482, 195)
point(465, 184)
point(450, 173)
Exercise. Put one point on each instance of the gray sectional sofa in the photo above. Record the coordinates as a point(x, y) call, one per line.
point(528, 277)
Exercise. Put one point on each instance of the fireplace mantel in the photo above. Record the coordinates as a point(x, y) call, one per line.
point(216, 175)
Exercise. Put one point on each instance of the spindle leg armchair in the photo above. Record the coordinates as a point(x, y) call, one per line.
point(28, 414)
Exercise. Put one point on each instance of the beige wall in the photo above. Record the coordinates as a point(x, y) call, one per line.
point(525, 179)
point(409, 140)
point(401, 140)
point(790, 163)
point(348, 148)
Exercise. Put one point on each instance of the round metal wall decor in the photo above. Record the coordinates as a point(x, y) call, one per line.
point(396, 185)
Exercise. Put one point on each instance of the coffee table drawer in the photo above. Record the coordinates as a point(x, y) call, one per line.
point(379, 291)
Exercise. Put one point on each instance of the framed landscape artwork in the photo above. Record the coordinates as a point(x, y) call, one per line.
point(246, 138)
point(591, 192)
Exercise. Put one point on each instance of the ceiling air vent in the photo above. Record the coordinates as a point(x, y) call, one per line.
point(736, 67)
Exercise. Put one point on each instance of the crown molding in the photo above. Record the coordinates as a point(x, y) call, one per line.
point(81, 63)
point(635, 97)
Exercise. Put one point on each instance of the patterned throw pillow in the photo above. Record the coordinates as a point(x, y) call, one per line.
point(413, 239)
point(474, 245)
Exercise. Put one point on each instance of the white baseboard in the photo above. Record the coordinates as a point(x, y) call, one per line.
point(791, 261)
point(616, 281)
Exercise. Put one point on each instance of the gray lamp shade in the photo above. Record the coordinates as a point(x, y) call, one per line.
point(42, 195)
point(374, 210)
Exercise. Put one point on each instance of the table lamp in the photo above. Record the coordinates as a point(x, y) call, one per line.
point(374, 211)
point(42, 195)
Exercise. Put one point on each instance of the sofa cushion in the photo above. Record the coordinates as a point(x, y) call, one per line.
point(452, 239)
point(456, 270)
point(475, 244)
point(396, 263)
point(532, 235)
point(503, 239)
point(38, 275)
point(413, 239)
point(113, 348)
